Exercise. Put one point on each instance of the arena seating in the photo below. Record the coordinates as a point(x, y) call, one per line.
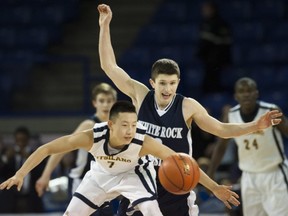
point(27, 28)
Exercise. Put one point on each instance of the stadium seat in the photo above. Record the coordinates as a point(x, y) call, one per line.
point(7, 38)
point(235, 10)
point(183, 34)
point(172, 12)
point(262, 53)
point(248, 31)
point(215, 102)
point(264, 76)
point(268, 9)
point(153, 35)
point(137, 56)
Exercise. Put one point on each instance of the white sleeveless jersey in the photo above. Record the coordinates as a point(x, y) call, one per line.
point(121, 162)
point(260, 151)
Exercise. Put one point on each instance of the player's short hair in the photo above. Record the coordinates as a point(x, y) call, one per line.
point(165, 66)
point(22, 130)
point(104, 88)
point(247, 81)
point(121, 107)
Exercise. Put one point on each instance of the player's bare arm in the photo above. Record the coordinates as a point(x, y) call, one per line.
point(63, 144)
point(228, 130)
point(42, 183)
point(55, 159)
point(155, 148)
point(132, 88)
point(222, 192)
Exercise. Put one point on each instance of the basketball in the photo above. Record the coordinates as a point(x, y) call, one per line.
point(179, 173)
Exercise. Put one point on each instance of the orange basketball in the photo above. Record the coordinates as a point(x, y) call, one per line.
point(179, 173)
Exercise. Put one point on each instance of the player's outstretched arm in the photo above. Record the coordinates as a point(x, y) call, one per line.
point(222, 192)
point(230, 130)
point(42, 183)
point(120, 78)
point(60, 145)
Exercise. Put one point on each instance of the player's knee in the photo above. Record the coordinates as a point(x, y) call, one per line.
point(77, 207)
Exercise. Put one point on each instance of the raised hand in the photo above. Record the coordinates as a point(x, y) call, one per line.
point(105, 14)
point(227, 196)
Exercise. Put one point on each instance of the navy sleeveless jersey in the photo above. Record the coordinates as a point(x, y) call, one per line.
point(170, 128)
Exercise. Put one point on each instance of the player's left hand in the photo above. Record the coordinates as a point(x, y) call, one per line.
point(15, 180)
point(270, 118)
point(226, 195)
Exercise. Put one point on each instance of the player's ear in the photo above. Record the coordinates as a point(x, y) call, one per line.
point(94, 103)
point(152, 83)
point(257, 94)
point(110, 123)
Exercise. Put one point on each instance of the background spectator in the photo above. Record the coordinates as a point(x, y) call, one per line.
point(12, 157)
point(214, 47)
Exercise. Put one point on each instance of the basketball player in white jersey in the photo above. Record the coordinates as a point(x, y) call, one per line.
point(264, 181)
point(156, 111)
point(116, 146)
point(103, 96)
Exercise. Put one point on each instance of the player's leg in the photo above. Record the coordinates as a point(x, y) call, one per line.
point(276, 192)
point(180, 205)
point(150, 208)
point(88, 197)
point(77, 207)
point(251, 195)
point(137, 187)
point(105, 210)
point(123, 206)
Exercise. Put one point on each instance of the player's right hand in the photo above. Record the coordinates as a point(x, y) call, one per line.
point(41, 185)
point(226, 195)
point(15, 180)
point(105, 14)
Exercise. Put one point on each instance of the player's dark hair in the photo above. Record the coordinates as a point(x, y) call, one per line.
point(245, 80)
point(22, 130)
point(104, 88)
point(165, 66)
point(121, 107)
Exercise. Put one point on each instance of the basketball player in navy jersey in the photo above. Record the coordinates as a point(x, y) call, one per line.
point(168, 115)
point(116, 146)
point(103, 97)
point(264, 165)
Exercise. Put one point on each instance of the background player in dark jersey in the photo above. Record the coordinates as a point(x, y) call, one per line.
point(166, 114)
point(103, 96)
point(262, 160)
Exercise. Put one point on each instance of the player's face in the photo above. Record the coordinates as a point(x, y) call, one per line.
point(21, 140)
point(103, 103)
point(246, 95)
point(123, 129)
point(165, 87)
